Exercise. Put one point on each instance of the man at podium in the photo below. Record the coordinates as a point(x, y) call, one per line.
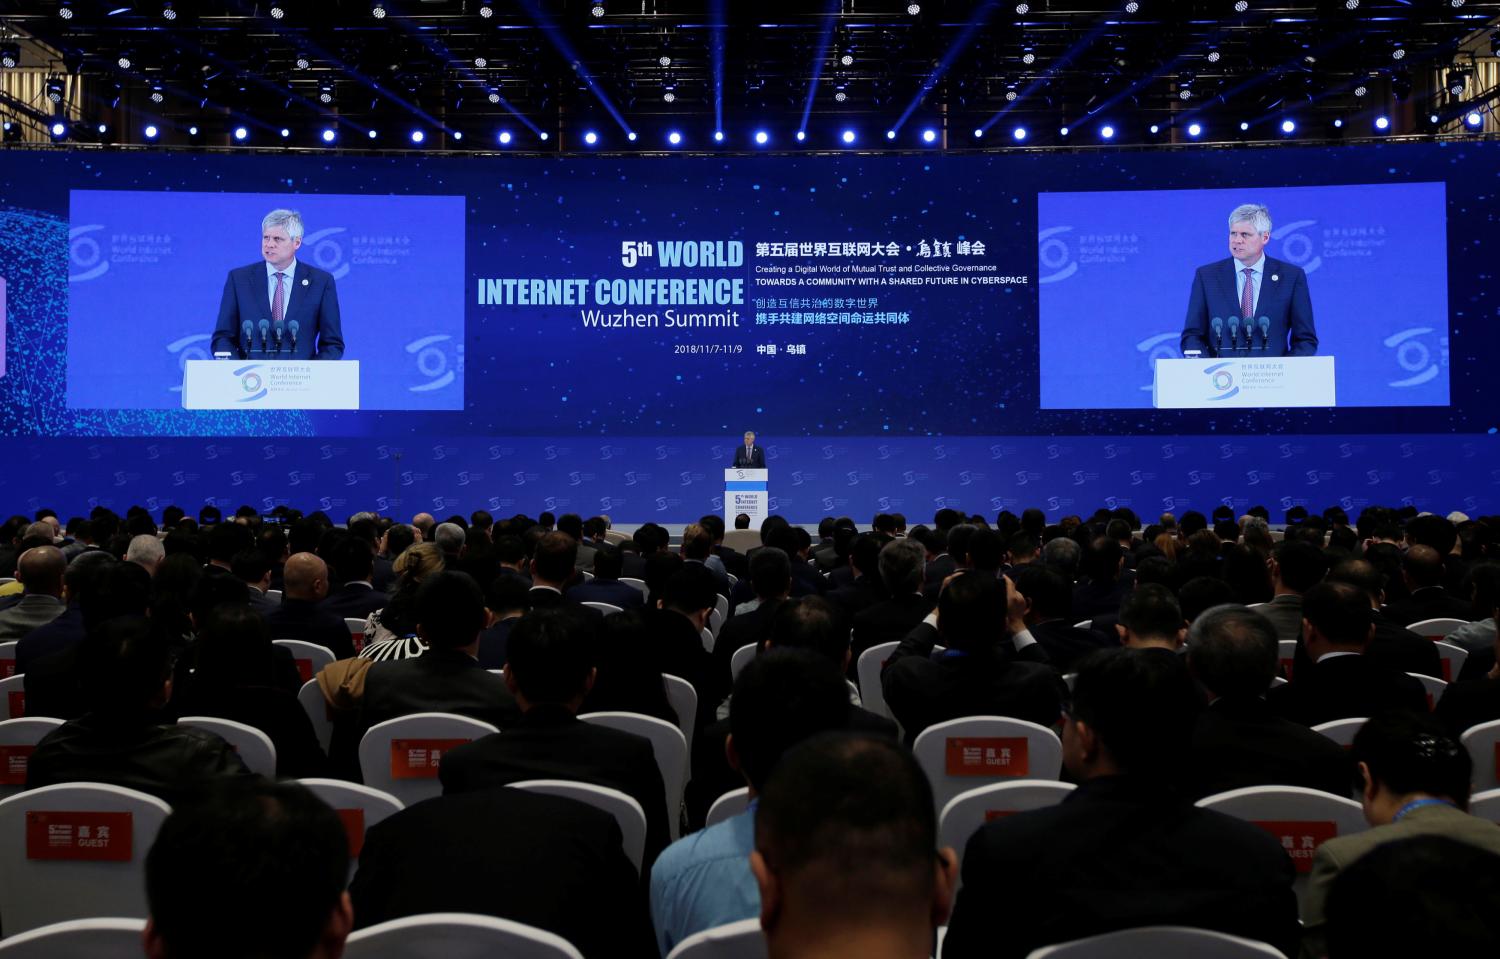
point(750, 456)
point(1250, 304)
point(279, 308)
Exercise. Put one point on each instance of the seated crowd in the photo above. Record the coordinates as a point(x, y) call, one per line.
point(1174, 662)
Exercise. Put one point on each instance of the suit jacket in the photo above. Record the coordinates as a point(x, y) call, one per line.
point(311, 623)
point(1066, 644)
point(439, 680)
point(1092, 599)
point(1284, 300)
point(1401, 649)
point(678, 650)
point(551, 743)
point(32, 611)
point(261, 603)
point(546, 861)
point(57, 636)
point(1345, 687)
point(1241, 742)
point(734, 561)
point(312, 302)
point(858, 596)
point(887, 621)
point(385, 573)
point(1467, 704)
point(754, 459)
point(1285, 613)
point(1429, 602)
point(610, 591)
point(1338, 854)
point(935, 572)
point(354, 601)
point(1118, 854)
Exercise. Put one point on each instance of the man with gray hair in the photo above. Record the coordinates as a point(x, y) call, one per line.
point(145, 551)
point(901, 564)
point(1249, 304)
point(1238, 741)
point(279, 308)
point(450, 538)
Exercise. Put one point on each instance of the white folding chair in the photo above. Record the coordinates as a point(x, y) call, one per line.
point(639, 584)
point(721, 606)
point(1159, 942)
point(1486, 805)
point(12, 697)
point(867, 668)
point(735, 940)
point(1431, 685)
point(607, 609)
point(456, 935)
point(962, 754)
point(669, 746)
point(1083, 624)
point(1483, 744)
point(1301, 818)
point(319, 713)
point(274, 595)
point(588, 577)
point(401, 756)
point(707, 636)
point(18, 739)
point(8, 658)
point(728, 806)
point(715, 622)
point(358, 807)
point(733, 580)
point(256, 750)
point(90, 938)
point(741, 659)
point(356, 632)
point(1286, 651)
point(1453, 660)
point(962, 816)
point(1340, 731)
point(627, 811)
point(1277, 681)
point(1437, 628)
point(684, 700)
point(310, 657)
point(75, 851)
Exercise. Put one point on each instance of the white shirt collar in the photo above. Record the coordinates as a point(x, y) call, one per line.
point(1258, 266)
point(290, 271)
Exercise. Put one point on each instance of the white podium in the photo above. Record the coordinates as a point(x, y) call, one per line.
point(745, 492)
point(1243, 381)
point(270, 385)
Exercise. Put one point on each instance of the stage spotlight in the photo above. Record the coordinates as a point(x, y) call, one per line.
point(840, 96)
point(378, 11)
point(664, 60)
point(1381, 123)
point(912, 9)
point(59, 129)
point(167, 13)
point(1240, 6)
point(1457, 80)
point(494, 96)
point(669, 96)
point(1214, 56)
point(847, 59)
point(10, 55)
point(1244, 126)
point(240, 133)
point(325, 92)
point(1132, 6)
point(1028, 58)
point(157, 96)
point(1399, 53)
point(102, 129)
point(847, 136)
point(1474, 119)
point(277, 11)
point(890, 134)
point(193, 130)
point(481, 62)
point(1063, 132)
point(762, 138)
point(123, 62)
point(929, 136)
point(151, 131)
point(285, 132)
point(303, 63)
point(1351, 4)
point(1023, 8)
point(417, 136)
point(504, 137)
point(597, 10)
point(543, 136)
point(1195, 129)
point(1433, 118)
point(66, 10)
point(1361, 90)
point(329, 135)
point(801, 135)
point(1019, 134)
point(590, 137)
point(1107, 132)
point(54, 89)
point(457, 135)
point(631, 136)
point(371, 133)
point(486, 11)
point(674, 138)
point(1155, 129)
point(718, 136)
point(978, 133)
point(1288, 126)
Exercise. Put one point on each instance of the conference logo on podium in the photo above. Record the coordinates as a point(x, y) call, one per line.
point(1222, 380)
point(252, 383)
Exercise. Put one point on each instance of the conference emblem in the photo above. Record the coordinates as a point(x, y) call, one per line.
point(251, 383)
point(327, 253)
point(1414, 355)
point(1054, 255)
point(1222, 381)
point(1298, 246)
point(433, 362)
point(85, 257)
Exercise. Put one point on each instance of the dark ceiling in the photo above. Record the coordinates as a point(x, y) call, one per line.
point(555, 67)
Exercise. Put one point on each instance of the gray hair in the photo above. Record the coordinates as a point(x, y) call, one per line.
point(449, 537)
point(146, 550)
point(1062, 554)
point(1233, 650)
point(1254, 213)
point(901, 565)
point(288, 220)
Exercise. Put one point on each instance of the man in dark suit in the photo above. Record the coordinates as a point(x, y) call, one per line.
point(940, 564)
point(552, 570)
point(1422, 568)
point(353, 562)
point(888, 621)
point(1048, 616)
point(1123, 850)
point(734, 561)
point(978, 619)
point(298, 303)
point(1237, 741)
point(1392, 645)
point(305, 583)
point(681, 602)
point(40, 570)
point(81, 580)
point(867, 589)
point(750, 456)
point(1468, 703)
point(606, 587)
point(1341, 682)
point(771, 575)
point(1245, 289)
point(549, 670)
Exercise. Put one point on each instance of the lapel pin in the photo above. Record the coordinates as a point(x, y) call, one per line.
point(304, 281)
point(1274, 278)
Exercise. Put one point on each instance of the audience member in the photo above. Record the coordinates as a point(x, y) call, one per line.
point(1048, 617)
point(251, 567)
point(771, 577)
point(300, 617)
point(391, 632)
point(1422, 570)
point(606, 587)
point(506, 600)
point(1105, 584)
point(627, 677)
point(146, 552)
point(683, 601)
point(552, 569)
point(67, 630)
point(900, 565)
point(1296, 567)
point(1151, 619)
point(40, 571)
point(1469, 702)
point(1391, 645)
point(353, 560)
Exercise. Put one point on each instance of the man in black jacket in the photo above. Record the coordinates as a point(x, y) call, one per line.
point(901, 565)
point(1049, 616)
point(305, 582)
point(1422, 568)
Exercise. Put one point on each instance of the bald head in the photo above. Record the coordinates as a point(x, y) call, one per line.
point(41, 529)
point(1423, 567)
point(40, 570)
point(305, 577)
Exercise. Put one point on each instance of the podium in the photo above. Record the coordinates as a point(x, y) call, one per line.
point(1239, 382)
point(270, 385)
point(745, 492)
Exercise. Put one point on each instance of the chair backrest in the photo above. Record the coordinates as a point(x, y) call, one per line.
point(733, 580)
point(456, 935)
point(1340, 731)
point(608, 609)
point(8, 658)
point(728, 806)
point(684, 700)
point(716, 620)
point(12, 697)
point(91, 938)
point(274, 595)
point(75, 851)
point(1486, 805)
point(707, 636)
point(867, 668)
point(1159, 942)
point(721, 606)
point(310, 657)
point(18, 739)
point(1431, 685)
point(1483, 744)
point(742, 540)
point(669, 746)
point(255, 748)
point(356, 632)
point(319, 713)
point(1453, 660)
point(1437, 628)
point(736, 940)
point(1286, 651)
point(741, 659)
point(627, 811)
point(639, 584)
point(962, 816)
point(962, 754)
point(1301, 819)
point(359, 807)
point(401, 756)
point(1083, 624)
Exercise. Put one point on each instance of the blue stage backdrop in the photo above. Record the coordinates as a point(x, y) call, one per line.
point(612, 324)
point(1117, 268)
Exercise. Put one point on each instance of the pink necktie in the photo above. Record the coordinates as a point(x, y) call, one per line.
point(279, 298)
point(1247, 298)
